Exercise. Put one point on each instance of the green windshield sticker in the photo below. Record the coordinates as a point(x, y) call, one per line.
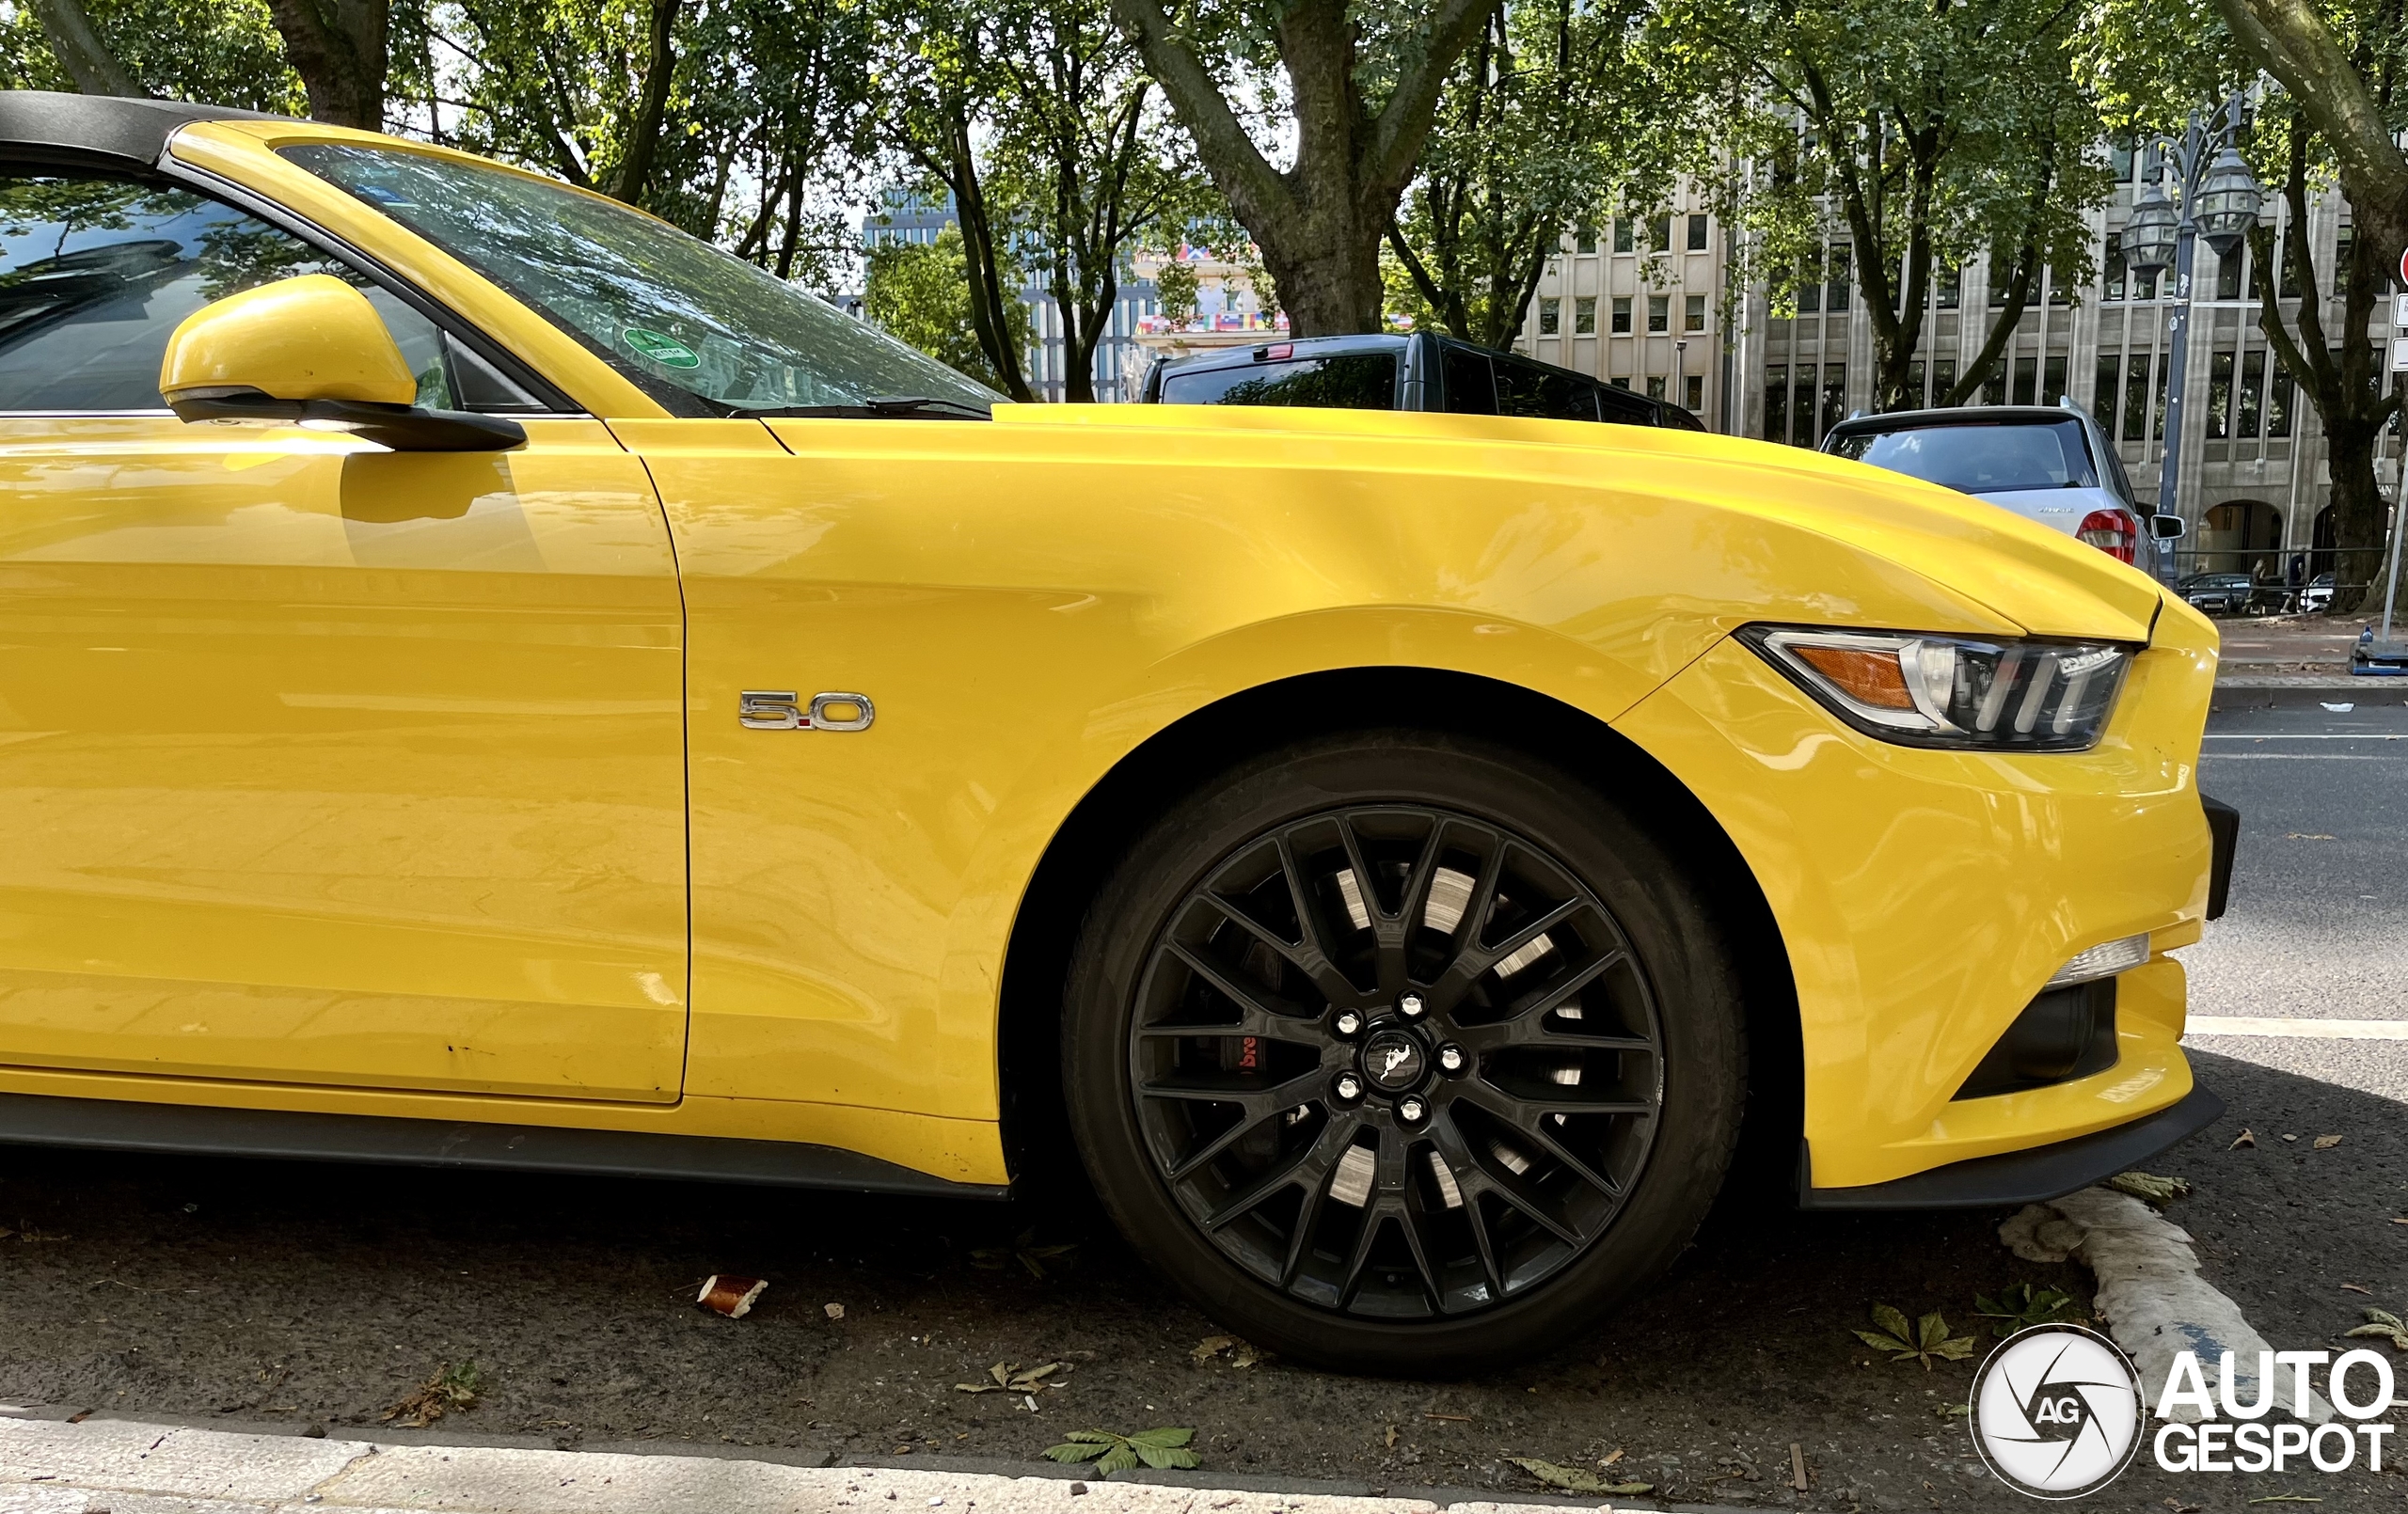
point(666, 351)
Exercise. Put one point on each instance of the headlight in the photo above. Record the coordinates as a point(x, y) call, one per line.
point(1961, 692)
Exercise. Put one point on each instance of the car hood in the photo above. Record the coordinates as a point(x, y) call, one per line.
point(2021, 571)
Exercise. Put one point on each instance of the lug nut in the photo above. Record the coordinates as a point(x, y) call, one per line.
point(1349, 1023)
point(1410, 1006)
point(1411, 1109)
point(1450, 1058)
point(1349, 1086)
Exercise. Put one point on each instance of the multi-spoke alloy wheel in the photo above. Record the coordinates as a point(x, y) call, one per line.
point(1403, 1052)
point(1396, 1061)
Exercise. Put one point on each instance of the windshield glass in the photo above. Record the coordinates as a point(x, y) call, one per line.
point(681, 318)
point(1983, 457)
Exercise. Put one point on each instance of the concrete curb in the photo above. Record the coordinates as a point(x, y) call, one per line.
point(49, 1466)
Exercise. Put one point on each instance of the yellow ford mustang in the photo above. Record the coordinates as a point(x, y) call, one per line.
point(486, 679)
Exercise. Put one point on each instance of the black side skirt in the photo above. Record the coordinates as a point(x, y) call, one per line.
point(2022, 1176)
point(113, 1124)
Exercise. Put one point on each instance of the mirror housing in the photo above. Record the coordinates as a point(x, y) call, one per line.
point(312, 352)
point(2166, 527)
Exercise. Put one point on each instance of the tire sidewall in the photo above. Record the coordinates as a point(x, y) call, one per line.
point(1679, 949)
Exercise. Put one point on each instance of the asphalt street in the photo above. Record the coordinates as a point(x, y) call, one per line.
point(317, 1298)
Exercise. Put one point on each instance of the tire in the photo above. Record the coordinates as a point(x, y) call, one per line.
point(1247, 1028)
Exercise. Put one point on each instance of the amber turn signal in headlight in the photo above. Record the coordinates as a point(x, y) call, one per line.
point(1962, 692)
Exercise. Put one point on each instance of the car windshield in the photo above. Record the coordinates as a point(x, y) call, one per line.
point(1981, 457)
point(702, 331)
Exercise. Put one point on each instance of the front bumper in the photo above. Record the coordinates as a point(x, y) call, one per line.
point(2031, 1176)
point(1923, 898)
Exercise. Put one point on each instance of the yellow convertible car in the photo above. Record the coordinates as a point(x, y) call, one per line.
point(486, 679)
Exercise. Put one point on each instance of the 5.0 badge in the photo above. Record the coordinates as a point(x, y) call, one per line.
point(765, 709)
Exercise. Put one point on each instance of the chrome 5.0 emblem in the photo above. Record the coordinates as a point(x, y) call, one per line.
point(2056, 1411)
point(767, 709)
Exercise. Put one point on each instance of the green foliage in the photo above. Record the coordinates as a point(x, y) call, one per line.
point(225, 52)
point(1936, 130)
point(1924, 1340)
point(2020, 1305)
point(920, 292)
point(1111, 1453)
point(1557, 114)
point(1176, 283)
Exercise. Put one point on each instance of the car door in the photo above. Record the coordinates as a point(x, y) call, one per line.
point(319, 764)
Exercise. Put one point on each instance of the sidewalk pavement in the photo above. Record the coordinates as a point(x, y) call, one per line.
point(126, 1467)
point(2294, 661)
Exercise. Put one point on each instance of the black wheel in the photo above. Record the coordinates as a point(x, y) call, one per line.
point(1404, 1053)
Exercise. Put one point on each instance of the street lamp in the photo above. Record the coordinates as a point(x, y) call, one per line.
point(2220, 202)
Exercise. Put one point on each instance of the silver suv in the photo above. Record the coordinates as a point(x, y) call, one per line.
point(2053, 465)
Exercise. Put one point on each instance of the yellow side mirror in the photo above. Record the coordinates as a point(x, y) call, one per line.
point(311, 350)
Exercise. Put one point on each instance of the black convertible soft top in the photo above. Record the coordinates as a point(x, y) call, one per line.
point(100, 130)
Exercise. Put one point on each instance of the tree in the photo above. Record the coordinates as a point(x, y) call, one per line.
point(1079, 157)
point(2151, 87)
point(225, 52)
point(943, 71)
point(920, 294)
point(1936, 129)
point(75, 43)
point(339, 47)
point(2344, 381)
point(1362, 87)
point(1553, 113)
point(2342, 67)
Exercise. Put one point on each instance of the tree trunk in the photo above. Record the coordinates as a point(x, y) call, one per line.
point(339, 49)
point(2359, 515)
point(1318, 224)
point(76, 43)
point(644, 133)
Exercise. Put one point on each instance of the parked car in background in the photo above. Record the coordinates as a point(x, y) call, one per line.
point(2317, 596)
point(2219, 594)
point(1423, 371)
point(2054, 465)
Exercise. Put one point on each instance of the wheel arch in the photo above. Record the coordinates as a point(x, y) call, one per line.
point(1092, 838)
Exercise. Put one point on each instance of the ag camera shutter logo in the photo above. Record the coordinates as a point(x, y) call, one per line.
point(2057, 1412)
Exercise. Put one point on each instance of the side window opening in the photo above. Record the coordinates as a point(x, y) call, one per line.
point(97, 272)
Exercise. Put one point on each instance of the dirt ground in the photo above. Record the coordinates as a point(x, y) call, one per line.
point(305, 1295)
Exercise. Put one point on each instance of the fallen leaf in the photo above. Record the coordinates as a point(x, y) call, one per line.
point(450, 1388)
point(2383, 1324)
point(1009, 1377)
point(1576, 1479)
point(834, 1311)
point(1210, 1347)
point(2246, 1138)
point(1922, 1341)
point(731, 1296)
point(2181, 1508)
point(2327, 1142)
point(1391, 1437)
point(2151, 1187)
point(1162, 1447)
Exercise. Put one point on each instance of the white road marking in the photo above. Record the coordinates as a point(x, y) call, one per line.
point(2295, 1028)
point(2301, 735)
